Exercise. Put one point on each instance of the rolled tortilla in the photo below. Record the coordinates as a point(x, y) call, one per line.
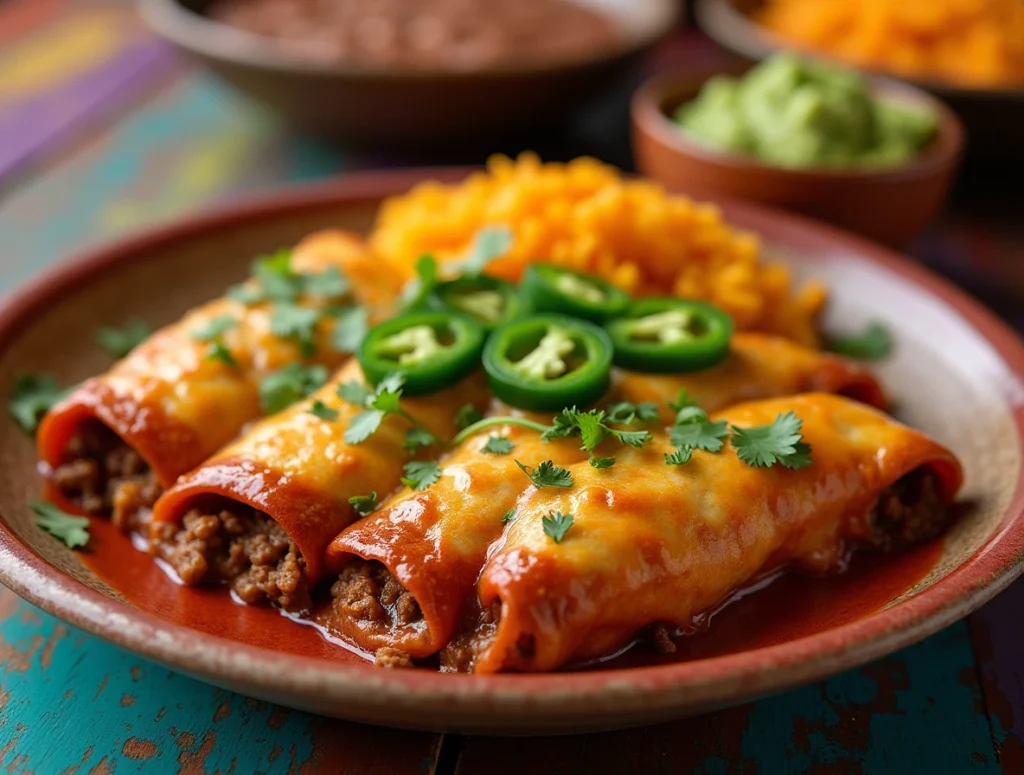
point(654, 544)
point(121, 437)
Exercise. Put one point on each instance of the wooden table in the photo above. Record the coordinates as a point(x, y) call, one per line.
point(102, 131)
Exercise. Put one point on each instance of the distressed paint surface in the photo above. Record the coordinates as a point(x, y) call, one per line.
point(69, 702)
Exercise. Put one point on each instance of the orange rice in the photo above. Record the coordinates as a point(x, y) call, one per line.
point(585, 215)
point(972, 42)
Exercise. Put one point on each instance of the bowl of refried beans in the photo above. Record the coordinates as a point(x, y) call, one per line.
point(415, 73)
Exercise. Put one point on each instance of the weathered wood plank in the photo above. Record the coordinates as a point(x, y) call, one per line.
point(71, 703)
point(917, 711)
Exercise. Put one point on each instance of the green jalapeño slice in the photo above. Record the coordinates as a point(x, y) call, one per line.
point(669, 336)
point(490, 300)
point(548, 362)
point(431, 349)
point(550, 288)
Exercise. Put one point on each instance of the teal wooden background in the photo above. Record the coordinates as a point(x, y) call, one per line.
point(169, 140)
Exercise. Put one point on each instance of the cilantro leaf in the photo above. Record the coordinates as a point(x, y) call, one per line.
point(626, 413)
point(547, 474)
point(680, 457)
point(363, 425)
point(364, 505)
point(328, 284)
point(694, 429)
point(274, 276)
point(291, 321)
point(508, 516)
point(214, 328)
point(392, 383)
point(602, 462)
point(284, 387)
point(633, 438)
point(219, 352)
point(426, 278)
point(592, 428)
point(490, 243)
point(498, 445)
point(118, 342)
point(245, 293)
point(420, 474)
point(778, 442)
point(871, 344)
point(323, 411)
point(562, 426)
point(682, 401)
point(416, 438)
point(350, 327)
point(354, 393)
point(72, 530)
point(556, 525)
point(466, 416)
point(32, 396)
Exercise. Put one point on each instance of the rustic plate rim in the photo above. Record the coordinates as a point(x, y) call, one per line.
point(399, 697)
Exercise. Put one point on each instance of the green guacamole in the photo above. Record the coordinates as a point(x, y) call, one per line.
point(790, 112)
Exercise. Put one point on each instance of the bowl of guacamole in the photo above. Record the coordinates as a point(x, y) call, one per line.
point(873, 155)
point(792, 112)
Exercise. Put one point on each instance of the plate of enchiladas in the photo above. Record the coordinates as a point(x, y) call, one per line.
point(533, 448)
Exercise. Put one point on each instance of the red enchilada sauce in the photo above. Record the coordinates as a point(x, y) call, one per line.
point(776, 610)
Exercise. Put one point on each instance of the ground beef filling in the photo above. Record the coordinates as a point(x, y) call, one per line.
point(106, 477)
point(910, 511)
point(240, 546)
point(368, 594)
point(476, 630)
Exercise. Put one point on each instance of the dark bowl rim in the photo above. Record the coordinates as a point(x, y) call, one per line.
point(734, 30)
point(206, 37)
point(649, 116)
point(550, 701)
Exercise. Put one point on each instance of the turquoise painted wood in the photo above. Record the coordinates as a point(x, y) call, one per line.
point(71, 703)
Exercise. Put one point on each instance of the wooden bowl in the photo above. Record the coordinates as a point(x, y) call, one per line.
point(887, 204)
point(411, 108)
point(956, 372)
point(994, 117)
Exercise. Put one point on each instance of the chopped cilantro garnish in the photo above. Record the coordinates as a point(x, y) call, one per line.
point(380, 403)
point(416, 438)
point(354, 392)
point(214, 328)
point(778, 442)
point(323, 411)
point(420, 474)
point(118, 342)
point(682, 401)
point(694, 429)
point(871, 344)
point(680, 457)
point(498, 445)
point(466, 416)
point(547, 474)
point(328, 284)
point(31, 397)
point(626, 413)
point(350, 327)
point(490, 243)
point(219, 352)
point(556, 525)
point(602, 462)
point(592, 429)
point(284, 387)
point(364, 504)
point(508, 516)
point(294, 322)
point(72, 530)
point(633, 438)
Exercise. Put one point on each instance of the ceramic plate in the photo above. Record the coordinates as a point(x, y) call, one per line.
point(956, 373)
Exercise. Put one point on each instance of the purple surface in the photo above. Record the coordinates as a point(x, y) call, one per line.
point(29, 128)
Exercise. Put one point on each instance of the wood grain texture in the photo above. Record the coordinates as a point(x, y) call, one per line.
point(70, 701)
